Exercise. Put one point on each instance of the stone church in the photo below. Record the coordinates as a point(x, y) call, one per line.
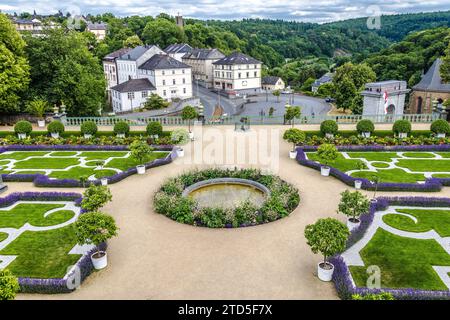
point(429, 90)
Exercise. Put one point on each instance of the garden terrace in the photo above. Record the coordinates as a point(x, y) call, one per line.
point(60, 164)
point(407, 238)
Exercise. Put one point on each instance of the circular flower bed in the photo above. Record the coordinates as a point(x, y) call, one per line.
point(281, 201)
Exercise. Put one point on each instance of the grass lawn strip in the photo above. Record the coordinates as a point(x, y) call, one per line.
point(407, 259)
point(40, 238)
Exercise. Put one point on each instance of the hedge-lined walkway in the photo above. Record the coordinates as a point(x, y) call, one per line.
point(156, 258)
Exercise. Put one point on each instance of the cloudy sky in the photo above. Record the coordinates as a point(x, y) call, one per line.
point(302, 10)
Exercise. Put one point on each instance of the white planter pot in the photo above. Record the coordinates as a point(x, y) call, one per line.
point(374, 201)
point(325, 171)
point(180, 153)
point(366, 134)
point(325, 274)
point(329, 135)
point(358, 184)
point(140, 169)
point(441, 135)
point(22, 135)
point(104, 181)
point(120, 135)
point(352, 224)
point(41, 123)
point(402, 135)
point(191, 135)
point(100, 263)
point(292, 154)
point(87, 136)
point(55, 135)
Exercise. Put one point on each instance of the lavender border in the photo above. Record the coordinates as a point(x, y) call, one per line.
point(58, 285)
point(341, 276)
point(430, 185)
point(41, 180)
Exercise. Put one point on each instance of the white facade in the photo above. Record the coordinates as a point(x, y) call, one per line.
point(385, 98)
point(201, 61)
point(128, 64)
point(237, 77)
point(128, 101)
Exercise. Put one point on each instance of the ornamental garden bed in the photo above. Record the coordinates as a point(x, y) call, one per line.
point(65, 166)
point(235, 208)
point(398, 168)
point(38, 242)
point(407, 238)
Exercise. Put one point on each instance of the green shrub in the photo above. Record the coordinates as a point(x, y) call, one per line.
point(401, 126)
point(365, 126)
point(180, 137)
point(23, 127)
point(9, 285)
point(353, 204)
point(327, 153)
point(213, 217)
point(372, 296)
point(244, 213)
point(154, 128)
point(89, 127)
point(55, 127)
point(440, 126)
point(95, 197)
point(329, 127)
point(294, 136)
point(121, 127)
point(140, 151)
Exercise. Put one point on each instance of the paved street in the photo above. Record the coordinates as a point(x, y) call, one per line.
point(210, 99)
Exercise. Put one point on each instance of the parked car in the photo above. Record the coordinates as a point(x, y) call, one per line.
point(330, 100)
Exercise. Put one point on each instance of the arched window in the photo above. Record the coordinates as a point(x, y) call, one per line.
point(391, 109)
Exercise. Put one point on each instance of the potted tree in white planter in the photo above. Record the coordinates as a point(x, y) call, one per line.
point(329, 128)
point(328, 237)
point(9, 285)
point(121, 129)
point(55, 128)
point(440, 128)
point(189, 113)
point(154, 129)
point(38, 108)
point(292, 113)
point(327, 153)
point(140, 151)
point(375, 181)
point(95, 197)
point(296, 137)
point(353, 205)
point(180, 137)
point(23, 128)
point(365, 128)
point(401, 128)
point(88, 129)
point(96, 228)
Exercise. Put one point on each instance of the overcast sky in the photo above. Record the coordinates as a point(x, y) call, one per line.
point(302, 10)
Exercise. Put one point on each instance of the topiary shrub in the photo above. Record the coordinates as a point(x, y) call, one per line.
point(440, 126)
point(329, 127)
point(294, 136)
point(364, 126)
point(55, 127)
point(154, 128)
point(327, 153)
point(23, 127)
point(89, 127)
point(9, 285)
point(121, 127)
point(401, 126)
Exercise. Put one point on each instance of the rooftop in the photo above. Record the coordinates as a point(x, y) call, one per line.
point(134, 85)
point(162, 61)
point(432, 80)
point(116, 54)
point(270, 80)
point(204, 54)
point(178, 48)
point(97, 26)
point(136, 53)
point(237, 58)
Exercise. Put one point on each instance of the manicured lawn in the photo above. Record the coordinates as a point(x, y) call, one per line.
point(125, 164)
point(102, 155)
point(391, 175)
point(380, 165)
point(438, 220)
point(40, 254)
point(425, 165)
point(46, 163)
point(79, 172)
point(404, 262)
point(341, 163)
point(20, 155)
point(418, 155)
point(374, 156)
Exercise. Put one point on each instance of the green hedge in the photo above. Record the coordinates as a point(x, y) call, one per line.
point(67, 134)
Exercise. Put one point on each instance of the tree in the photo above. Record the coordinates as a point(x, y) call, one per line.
point(348, 83)
point(327, 236)
point(353, 204)
point(38, 107)
point(155, 102)
point(307, 85)
point(189, 113)
point(445, 67)
point(132, 42)
point(9, 285)
point(327, 153)
point(95, 197)
point(95, 228)
point(75, 77)
point(293, 113)
point(294, 136)
point(14, 68)
point(140, 151)
point(163, 32)
point(277, 94)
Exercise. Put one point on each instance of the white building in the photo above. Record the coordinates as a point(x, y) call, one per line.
point(272, 83)
point(128, 64)
point(110, 69)
point(385, 97)
point(98, 29)
point(178, 50)
point(131, 95)
point(201, 61)
point(239, 73)
point(171, 78)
